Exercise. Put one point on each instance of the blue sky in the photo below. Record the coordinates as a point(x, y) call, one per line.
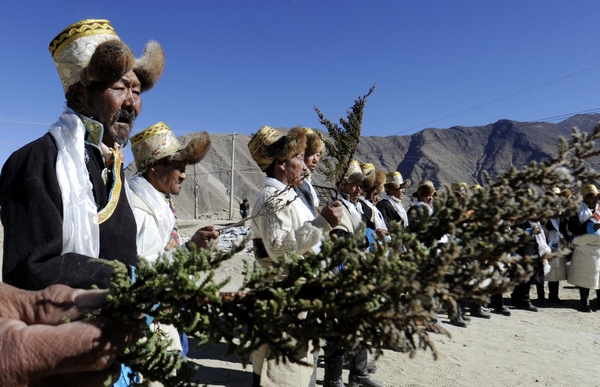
point(235, 65)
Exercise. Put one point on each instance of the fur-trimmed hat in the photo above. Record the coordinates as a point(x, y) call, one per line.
point(353, 174)
point(555, 191)
point(426, 188)
point(158, 141)
point(374, 178)
point(589, 189)
point(269, 144)
point(459, 188)
point(393, 180)
point(314, 142)
point(91, 51)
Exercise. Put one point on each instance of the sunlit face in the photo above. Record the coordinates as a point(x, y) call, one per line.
point(116, 107)
point(312, 161)
point(396, 192)
point(591, 200)
point(352, 190)
point(294, 170)
point(167, 176)
point(373, 196)
point(427, 199)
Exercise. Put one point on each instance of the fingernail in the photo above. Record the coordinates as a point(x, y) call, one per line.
point(90, 299)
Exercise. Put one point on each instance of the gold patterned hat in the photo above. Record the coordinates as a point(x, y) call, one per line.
point(589, 189)
point(158, 141)
point(314, 142)
point(374, 178)
point(269, 144)
point(353, 174)
point(425, 187)
point(459, 188)
point(394, 180)
point(91, 51)
point(555, 191)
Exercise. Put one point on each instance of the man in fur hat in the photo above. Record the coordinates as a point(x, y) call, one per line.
point(372, 186)
point(350, 188)
point(390, 205)
point(63, 197)
point(161, 161)
point(312, 158)
point(425, 194)
point(277, 228)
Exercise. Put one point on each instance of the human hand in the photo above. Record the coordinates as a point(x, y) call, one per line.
point(332, 212)
point(37, 346)
point(204, 236)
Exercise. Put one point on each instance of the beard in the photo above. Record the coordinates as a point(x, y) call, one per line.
point(121, 126)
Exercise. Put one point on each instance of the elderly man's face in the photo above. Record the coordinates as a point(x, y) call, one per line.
point(591, 200)
point(396, 192)
point(312, 161)
point(116, 107)
point(425, 198)
point(294, 170)
point(167, 176)
point(353, 190)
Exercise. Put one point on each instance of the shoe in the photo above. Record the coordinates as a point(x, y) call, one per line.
point(526, 305)
point(556, 300)
point(459, 322)
point(372, 368)
point(337, 382)
point(477, 311)
point(255, 380)
point(503, 310)
point(586, 309)
point(363, 381)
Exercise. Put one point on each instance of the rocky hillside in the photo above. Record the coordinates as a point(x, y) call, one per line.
point(441, 155)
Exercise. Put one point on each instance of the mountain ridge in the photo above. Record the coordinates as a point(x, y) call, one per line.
point(459, 153)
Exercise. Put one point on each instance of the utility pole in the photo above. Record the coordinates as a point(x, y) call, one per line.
point(232, 171)
point(195, 194)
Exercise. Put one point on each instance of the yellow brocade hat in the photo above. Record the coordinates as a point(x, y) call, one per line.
point(269, 144)
point(158, 141)
point(394, 180)
point(90, 50)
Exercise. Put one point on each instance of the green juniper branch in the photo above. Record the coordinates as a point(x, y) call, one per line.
point(382, 299)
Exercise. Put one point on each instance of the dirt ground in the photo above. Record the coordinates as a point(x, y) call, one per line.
point(557, 346)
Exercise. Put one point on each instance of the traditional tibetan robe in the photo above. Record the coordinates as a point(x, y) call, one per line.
point(37, 252)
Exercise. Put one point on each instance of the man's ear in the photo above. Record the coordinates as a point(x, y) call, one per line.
point(280, 164)
point(78, 98)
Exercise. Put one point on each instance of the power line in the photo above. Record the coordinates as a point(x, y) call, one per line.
point(502, 98)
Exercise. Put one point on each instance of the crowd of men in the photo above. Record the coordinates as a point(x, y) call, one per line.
point(64, 201)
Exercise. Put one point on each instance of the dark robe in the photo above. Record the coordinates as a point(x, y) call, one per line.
point(389, 213)
point(31, 212)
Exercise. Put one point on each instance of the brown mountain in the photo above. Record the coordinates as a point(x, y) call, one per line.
point(441, 155)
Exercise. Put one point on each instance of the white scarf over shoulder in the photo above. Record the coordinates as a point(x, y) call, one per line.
point(397, 203)
point(155, 200)
point(81, 231)
point(355, 215)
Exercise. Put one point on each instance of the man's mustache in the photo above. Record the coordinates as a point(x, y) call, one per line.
point(124, 115)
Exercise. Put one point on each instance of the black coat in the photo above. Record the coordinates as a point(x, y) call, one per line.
point(31, 212)
point(389, 213)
